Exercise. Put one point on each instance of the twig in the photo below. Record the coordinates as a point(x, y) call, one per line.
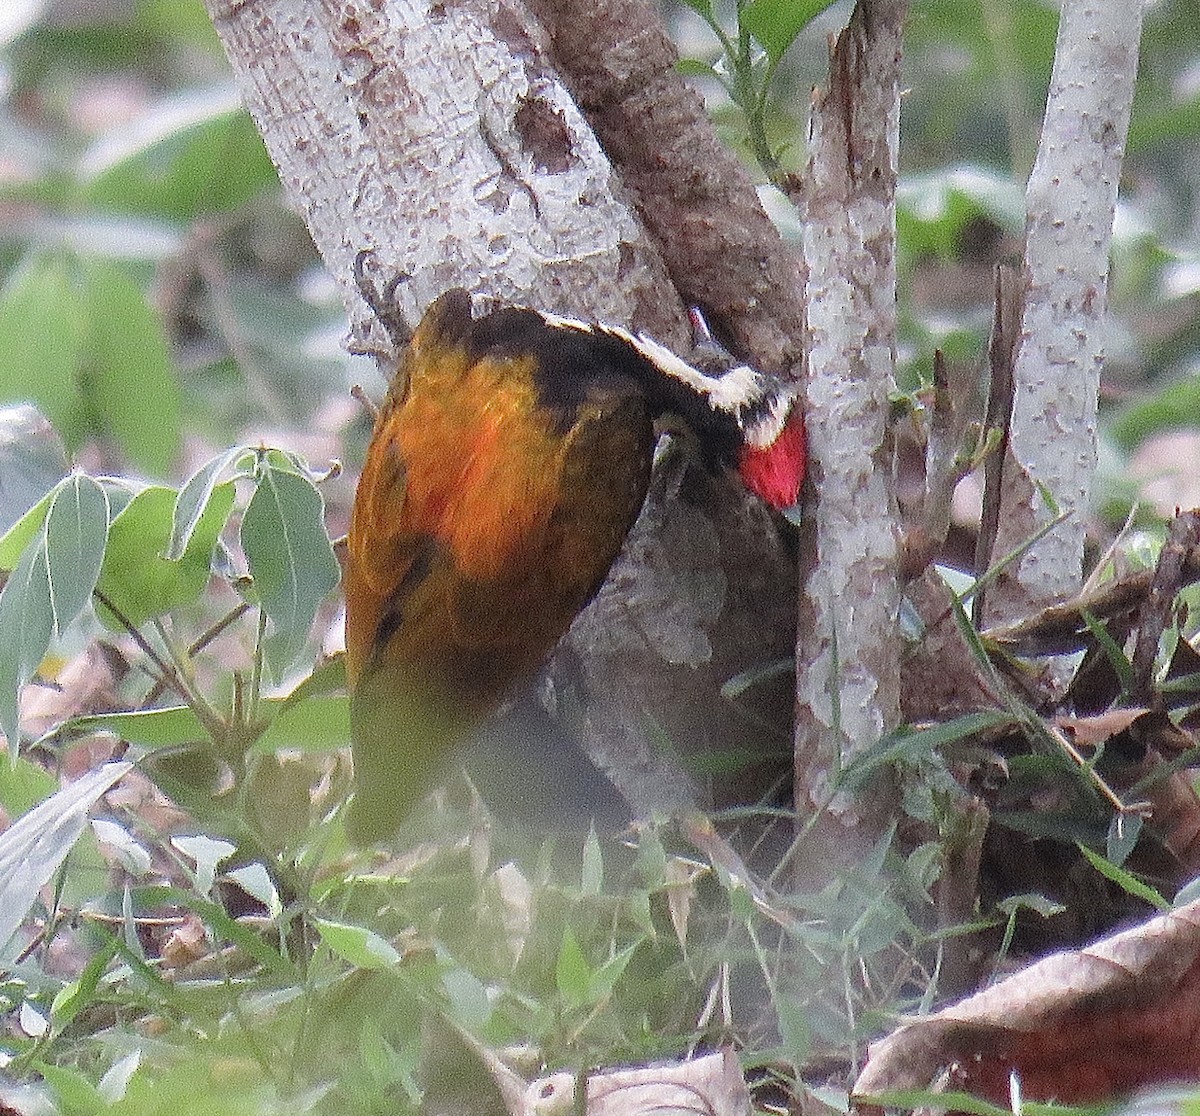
point(195, 647)
point(1155, 614)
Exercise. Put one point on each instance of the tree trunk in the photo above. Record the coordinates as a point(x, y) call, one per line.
point(446, 137)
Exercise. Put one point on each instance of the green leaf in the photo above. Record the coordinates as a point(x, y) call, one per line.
point(1175, 406)
point(148, 728)
point(911, 745)
point(1113, 652)
point(189, 155)
point(1123, 833)
point(604, 980)
point(129, 381)
point(32, 849)
point(75, 996)
point(27, 621)
point(911, 1099)
point(43, 330)
point(135, 577)
point(470, 1007)
point(694, 67)
point(18, 537)
point(795, 1029)
point(317, 724)
point(328, 677)
point(291, 559)
point(82, 343)
point(74, 1092)
point(194, 498)
point(1125, 880)
point(592, 873)
point(1031, 901)
point(741, 902)
point(76, 532)
point(388, 1066)
point(776, 23)
point(736, 686)
point(361, 947)
point(572, 974)
point(32, 460)
point(23, 785)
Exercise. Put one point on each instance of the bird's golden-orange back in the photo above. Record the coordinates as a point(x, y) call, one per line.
point(486, 516)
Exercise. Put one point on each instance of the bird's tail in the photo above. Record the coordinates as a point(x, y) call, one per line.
point(402, 750)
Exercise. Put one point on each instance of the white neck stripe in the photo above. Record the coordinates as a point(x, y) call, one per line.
point(732, 391)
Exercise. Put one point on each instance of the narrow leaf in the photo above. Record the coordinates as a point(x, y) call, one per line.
point(1123, 833)
point(76, 532)
point(572, 974)
point(916, 744)
point(32, 849)
point(363, 948)
point(605, 978)
point(193, 500)
point(1124, 880)
point(27, 622)
point(149, 728)
point(291, 559)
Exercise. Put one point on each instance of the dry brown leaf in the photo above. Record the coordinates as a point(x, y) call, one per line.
point(708, 1086)
point(87, 684)
point(188, 942)
point(1077, 1027)
point(1090, 731)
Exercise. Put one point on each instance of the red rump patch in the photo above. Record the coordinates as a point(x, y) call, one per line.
point(775, 473)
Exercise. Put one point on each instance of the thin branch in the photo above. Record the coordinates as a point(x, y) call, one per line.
point(196, 646)
point(167, 672)
point(1058, 350)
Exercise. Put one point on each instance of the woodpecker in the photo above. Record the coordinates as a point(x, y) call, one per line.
point(508, 462)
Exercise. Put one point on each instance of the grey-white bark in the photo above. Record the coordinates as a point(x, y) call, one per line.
point(393, 127)
point(849, 671)
point(1059, 349)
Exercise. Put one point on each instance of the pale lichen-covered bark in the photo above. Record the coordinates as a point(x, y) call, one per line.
point(848, 676)
point(431, 133)
point(1058, 351)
